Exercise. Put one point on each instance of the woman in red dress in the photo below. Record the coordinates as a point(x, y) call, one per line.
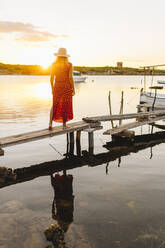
point(62, 85)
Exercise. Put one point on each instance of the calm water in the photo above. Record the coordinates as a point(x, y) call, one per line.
point(121, 208)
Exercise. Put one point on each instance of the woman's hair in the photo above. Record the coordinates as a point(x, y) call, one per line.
point(62, 60)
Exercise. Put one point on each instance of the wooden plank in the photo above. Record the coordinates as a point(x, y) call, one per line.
point(41, 134)
point(122, 116)
point(132, 125)
point(92, 129)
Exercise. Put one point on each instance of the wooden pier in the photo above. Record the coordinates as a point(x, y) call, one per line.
point(89, 125)
point(142, 118)
point(77, 127)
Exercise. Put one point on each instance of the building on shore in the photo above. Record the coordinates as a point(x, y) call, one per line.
point(120, 64)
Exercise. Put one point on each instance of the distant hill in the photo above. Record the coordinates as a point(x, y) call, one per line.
point(8, 69)
point(23, 69)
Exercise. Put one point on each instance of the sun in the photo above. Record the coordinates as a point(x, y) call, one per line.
point(45, 65)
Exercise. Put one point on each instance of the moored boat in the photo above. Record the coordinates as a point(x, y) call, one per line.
point(78, 78)
point(151, 97)
point(161, 81)
point(148, 98)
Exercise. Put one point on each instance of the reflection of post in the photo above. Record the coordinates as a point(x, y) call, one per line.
point(119, 161)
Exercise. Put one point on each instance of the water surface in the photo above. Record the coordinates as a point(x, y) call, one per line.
point(121, 207)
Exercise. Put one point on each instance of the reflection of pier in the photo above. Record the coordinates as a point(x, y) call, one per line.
point(117, 148)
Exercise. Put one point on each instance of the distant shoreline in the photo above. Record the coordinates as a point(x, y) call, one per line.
point(37, 70)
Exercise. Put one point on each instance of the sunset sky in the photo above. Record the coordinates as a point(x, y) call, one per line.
point(95, 33)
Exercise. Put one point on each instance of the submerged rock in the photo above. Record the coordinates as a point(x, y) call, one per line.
point(56, 235)
point(7, 174)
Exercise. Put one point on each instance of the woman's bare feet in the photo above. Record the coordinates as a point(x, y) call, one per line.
point(65, 126)
point(50, 128)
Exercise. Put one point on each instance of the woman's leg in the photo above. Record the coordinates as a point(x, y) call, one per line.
point(51, 118)
point(64, 125)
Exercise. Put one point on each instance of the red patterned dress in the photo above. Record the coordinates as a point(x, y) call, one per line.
point(62, 92)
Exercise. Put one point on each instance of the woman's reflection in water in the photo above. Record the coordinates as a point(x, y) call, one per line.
point(62, 208)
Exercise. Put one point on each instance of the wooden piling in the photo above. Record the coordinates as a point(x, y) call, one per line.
point(110, 108)
point(71, 150)
point(78, 143)
point(121, 107)
point(1, 152)
point(90, 142)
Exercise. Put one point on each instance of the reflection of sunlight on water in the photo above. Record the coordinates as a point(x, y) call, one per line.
point(41, 90)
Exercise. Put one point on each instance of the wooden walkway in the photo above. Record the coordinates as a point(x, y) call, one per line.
point(131, 125)
point(89, 124)
point(123, 116)
point(45, 133)
point(143, 118)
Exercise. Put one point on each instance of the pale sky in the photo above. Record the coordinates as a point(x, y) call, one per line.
point(95, 33)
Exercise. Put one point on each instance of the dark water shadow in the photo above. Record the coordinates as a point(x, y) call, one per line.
point(117, 148)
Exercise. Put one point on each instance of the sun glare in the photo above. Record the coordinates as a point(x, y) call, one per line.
point(45, 66)
point(41, 90)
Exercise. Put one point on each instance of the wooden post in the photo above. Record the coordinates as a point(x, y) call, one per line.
point(152, 80)
point(67, 146)
point(110, 109)
point(78, 143)
point(91, 142)
point(121, 107)
point(71, 150)
point(1, 152)
point(154, 100)
point(144, 79)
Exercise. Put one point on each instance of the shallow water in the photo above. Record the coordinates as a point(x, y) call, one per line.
point(114, 207)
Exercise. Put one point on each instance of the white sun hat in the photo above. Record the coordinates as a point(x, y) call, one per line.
point(62, 52)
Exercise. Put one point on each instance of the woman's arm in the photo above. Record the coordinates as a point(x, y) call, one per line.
point(52, 77)
point(71, 80)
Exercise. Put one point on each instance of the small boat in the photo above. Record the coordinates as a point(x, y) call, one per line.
point(150, 97)
point(78, 78)
point(161, 82)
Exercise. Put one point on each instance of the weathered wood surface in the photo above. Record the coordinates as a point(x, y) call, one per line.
point(123, 116)
point(44, 133)
point(132, 125)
